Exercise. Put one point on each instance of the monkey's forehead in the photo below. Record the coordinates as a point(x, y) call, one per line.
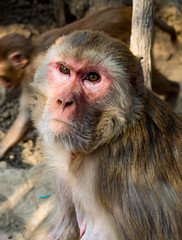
point(74, 58)
point(79, 53)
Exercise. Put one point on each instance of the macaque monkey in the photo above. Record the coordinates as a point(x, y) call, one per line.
point(114, 148)
point(20, 57)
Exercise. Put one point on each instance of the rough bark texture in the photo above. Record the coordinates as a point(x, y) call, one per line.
point(141, 37)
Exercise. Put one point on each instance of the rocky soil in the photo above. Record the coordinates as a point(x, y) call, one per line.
point(22, 174)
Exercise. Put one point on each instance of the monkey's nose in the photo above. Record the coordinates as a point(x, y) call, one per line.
point(65, 103)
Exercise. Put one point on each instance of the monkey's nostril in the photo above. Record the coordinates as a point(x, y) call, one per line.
point(59, 101)
point(65, 104)
point(68, 103)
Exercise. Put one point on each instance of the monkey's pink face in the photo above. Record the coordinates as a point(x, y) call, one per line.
point(74, 88)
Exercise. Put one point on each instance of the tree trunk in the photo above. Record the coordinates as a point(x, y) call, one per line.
point(141, 35)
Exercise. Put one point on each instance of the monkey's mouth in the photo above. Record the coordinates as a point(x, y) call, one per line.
point(58, 126)
point(6, 82)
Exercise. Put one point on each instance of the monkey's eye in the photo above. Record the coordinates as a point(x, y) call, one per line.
point(92, 76)
point(64, 69)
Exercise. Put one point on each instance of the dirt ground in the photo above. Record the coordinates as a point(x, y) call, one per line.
point(22, 175)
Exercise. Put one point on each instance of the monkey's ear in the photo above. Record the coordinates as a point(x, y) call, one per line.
point(18, 59)
point(138, 81)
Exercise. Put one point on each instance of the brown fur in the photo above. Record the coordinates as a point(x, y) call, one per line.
point(126, 176)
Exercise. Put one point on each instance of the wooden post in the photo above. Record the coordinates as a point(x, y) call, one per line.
point(141, 35)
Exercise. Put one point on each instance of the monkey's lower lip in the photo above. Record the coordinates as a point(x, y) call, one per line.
point(58, 121)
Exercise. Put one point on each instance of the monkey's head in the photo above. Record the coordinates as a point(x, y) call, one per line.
point(15, 50)
point(87, 90)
